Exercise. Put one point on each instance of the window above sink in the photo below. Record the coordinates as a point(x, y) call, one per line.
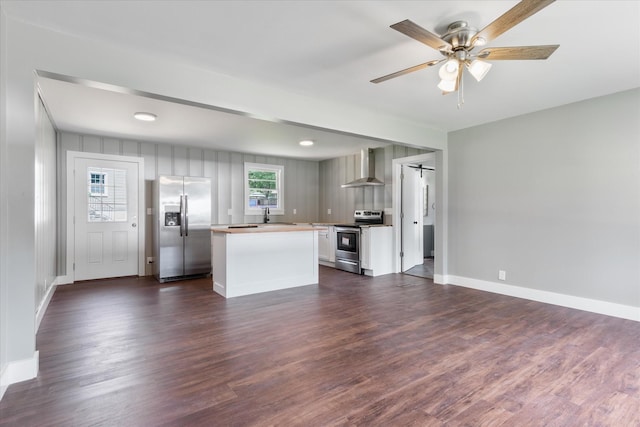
point(263, 189)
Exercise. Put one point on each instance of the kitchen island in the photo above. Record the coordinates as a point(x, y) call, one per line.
point(251, 259)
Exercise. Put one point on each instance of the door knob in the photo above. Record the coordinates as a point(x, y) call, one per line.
point(415, 222)
point(134, 225)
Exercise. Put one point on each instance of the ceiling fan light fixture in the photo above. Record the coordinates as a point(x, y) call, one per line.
point(447, 85)
point(449, 70)
point(479, 69)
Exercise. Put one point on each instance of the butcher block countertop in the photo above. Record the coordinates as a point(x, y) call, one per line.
point(254, 228)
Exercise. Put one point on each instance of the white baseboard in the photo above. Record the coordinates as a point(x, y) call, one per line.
point(19, 370)
point(3, 388)
point(440, 279)
point(580, 303)
point(45, 303)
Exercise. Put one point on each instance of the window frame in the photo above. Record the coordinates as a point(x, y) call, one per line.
point(279, 171)
point(103, 184)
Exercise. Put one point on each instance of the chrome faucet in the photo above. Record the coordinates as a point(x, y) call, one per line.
point(265, 218)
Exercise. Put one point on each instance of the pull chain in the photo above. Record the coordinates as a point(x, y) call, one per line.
point(461, 91)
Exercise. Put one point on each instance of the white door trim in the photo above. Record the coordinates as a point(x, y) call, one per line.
point(71, 157)
point(440, 226)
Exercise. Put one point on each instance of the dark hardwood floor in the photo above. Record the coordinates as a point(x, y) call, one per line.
point(394, 350)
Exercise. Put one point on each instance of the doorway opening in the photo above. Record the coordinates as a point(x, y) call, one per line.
point(423, 194)
point(415, 205)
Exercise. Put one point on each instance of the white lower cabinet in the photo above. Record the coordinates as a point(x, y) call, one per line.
point(376, 250)
point(326, 244)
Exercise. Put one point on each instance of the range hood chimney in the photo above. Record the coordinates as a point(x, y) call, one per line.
point(367, 171)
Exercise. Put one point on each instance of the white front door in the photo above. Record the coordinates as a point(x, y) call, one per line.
point(412, 201)
point(105, 218)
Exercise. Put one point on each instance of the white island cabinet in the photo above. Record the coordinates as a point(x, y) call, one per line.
point(266, 258)
point(376, 250)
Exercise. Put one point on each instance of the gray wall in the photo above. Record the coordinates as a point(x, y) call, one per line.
point(226, 169)
point(17, 198)
point(552, 198)
point(4, 200)
point(343, 201)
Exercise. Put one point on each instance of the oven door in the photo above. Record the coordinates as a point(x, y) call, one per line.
point(348, 243)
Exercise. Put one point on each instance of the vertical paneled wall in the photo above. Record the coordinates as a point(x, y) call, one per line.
point(343, 201)
point(45, 204)
point(226, 170)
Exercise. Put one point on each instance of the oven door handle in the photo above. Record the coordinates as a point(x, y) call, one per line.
point(347, 229)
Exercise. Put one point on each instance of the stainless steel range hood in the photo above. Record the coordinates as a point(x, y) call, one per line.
point(367, 171)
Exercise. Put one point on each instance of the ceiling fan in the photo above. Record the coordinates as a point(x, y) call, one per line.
point(458, 43)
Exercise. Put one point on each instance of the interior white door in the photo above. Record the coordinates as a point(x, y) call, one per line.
point(411, 217)
point(105, 218)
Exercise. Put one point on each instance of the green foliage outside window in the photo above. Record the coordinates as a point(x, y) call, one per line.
point(263, 189)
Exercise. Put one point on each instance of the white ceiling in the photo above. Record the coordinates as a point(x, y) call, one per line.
point(330, 50)
point(85, 109)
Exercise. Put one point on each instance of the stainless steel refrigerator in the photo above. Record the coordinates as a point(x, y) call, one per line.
point(182, 227)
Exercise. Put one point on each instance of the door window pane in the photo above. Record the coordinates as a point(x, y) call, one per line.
point(107, 195)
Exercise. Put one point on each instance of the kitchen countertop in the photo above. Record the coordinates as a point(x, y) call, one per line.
point(264, 228)
point(327, 224)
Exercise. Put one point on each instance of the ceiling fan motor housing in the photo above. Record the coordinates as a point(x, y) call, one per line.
point(459, 35)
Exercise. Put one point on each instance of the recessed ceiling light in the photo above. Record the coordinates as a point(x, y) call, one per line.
point(145, 117)
point(306, 143)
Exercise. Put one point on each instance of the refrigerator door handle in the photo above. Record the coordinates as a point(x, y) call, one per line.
point(181, 216)
point(186, 215)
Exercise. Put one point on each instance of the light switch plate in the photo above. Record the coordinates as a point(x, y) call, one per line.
point(502, 275)
point(329, 211)
point(295, 211)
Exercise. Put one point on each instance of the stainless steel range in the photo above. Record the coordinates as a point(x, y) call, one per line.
point(348, 239)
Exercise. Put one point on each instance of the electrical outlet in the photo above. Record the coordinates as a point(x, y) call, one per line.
point(149, 260)
point(329, 211)
point(502, 275)
point(149, 211)
point(295, 211)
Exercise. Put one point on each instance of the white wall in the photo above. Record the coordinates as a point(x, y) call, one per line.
point(226, 169)
point(552, 198)
point(45, 205)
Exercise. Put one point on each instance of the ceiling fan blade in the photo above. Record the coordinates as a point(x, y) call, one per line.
point(416, 32)
point(406, 71)
point(511, 18)
point(517, 52)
